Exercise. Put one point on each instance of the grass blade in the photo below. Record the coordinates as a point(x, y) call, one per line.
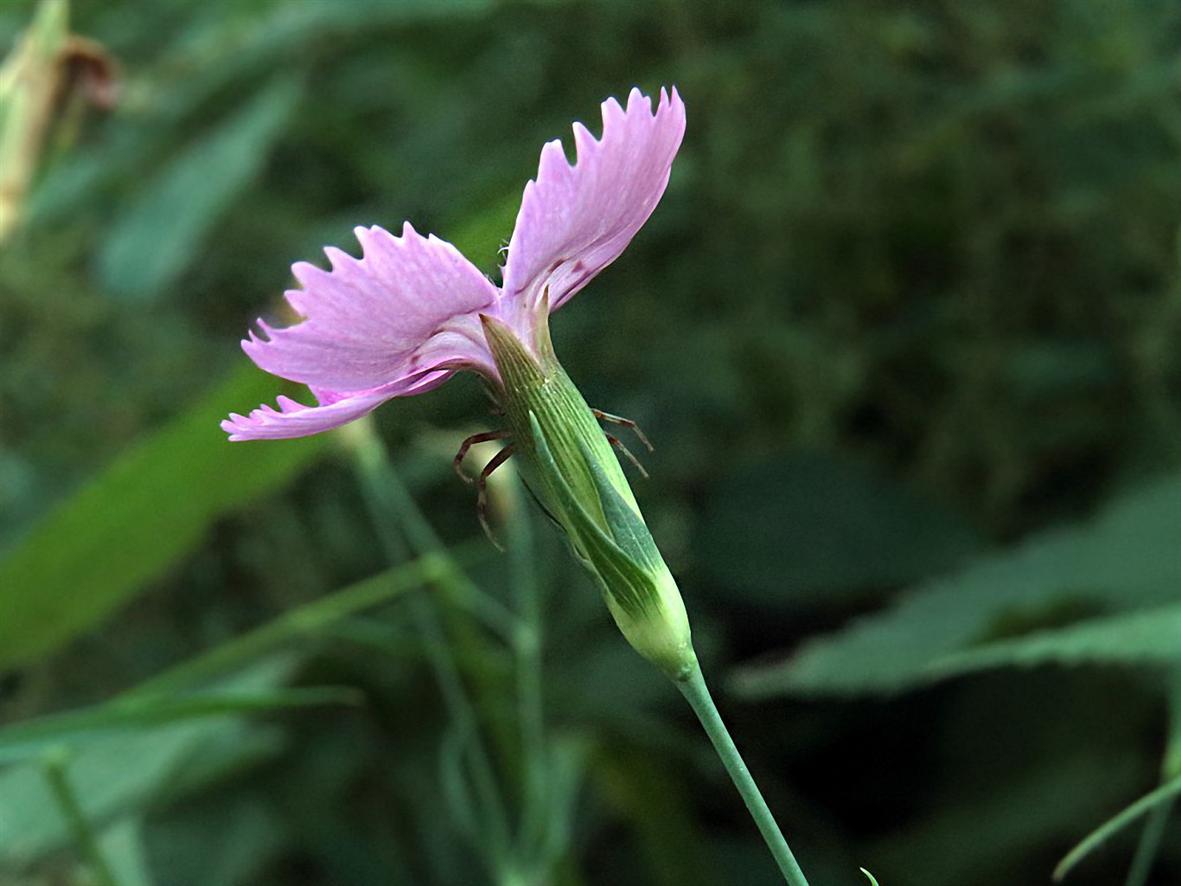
point(31, 737)
point(1115, 824)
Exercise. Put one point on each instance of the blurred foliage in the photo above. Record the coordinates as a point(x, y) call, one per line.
point(965, 621)
point(905, 330)
point(114, 535)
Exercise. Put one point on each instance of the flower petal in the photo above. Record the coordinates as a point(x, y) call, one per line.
point(408, 306)
point(576, 220)
point(294, 419)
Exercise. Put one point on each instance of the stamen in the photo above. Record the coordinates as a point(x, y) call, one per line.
point(482, 493)
point(618, 444)
point(625, 422)
point(457, 462)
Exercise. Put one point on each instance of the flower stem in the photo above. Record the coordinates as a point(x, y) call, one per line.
point(1154, 829)
point(697, 694)
point(1150, 842)
point(530, 697)
point(55, 765)
point(393, 512)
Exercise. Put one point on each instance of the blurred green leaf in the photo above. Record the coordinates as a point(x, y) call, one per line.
point(652, 799)
point(120, 773)
point(481, 237)
point(245, 827)
point(138, 518)
point(25, 740)
point(1148, 636)
point(155, 238)
point(1143, 637)
point(123, 847)
point(941, 244)
point(305, 621)
point(810, 527)
point(1127, 557)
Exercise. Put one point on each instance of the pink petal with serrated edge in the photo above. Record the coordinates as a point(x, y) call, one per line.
point(576, 220)
point(294, 419)
point(407, 306)
point(404, 318)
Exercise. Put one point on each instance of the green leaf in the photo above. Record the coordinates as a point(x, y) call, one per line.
point(301, 622)
point(247, 829)
point(28, 739)
point(123, 847)
point(627, 527)
point(1148, 636)
point(138, 518)
point(1125, 558)
point(622, 577)
point(1144, 637)
point(152, 242)
point(121, 772)
point(809, 529)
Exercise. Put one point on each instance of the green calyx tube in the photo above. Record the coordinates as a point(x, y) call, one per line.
point(572, 470)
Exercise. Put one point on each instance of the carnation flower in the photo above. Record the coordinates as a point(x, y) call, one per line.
point(406, 316)
point(412, 311)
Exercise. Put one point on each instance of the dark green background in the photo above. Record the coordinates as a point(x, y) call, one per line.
point(909, 307)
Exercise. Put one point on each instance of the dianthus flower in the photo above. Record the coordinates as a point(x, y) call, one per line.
point(412, 311)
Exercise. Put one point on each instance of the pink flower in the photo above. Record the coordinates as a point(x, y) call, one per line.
point(406, 316)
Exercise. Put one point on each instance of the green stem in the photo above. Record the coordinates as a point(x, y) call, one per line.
point(697, 694)
point(56, 764)
point(530, 697)
point(1158, 819)
point(386, 491)
point(1150, 841)
point(393, 511)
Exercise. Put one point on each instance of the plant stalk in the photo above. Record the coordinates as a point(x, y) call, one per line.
point(1149, 845)
point(393, 511)
point(55, 768)
point(697, 694)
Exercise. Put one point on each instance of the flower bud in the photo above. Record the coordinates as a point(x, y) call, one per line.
point(47, 67)
point(572, 470)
